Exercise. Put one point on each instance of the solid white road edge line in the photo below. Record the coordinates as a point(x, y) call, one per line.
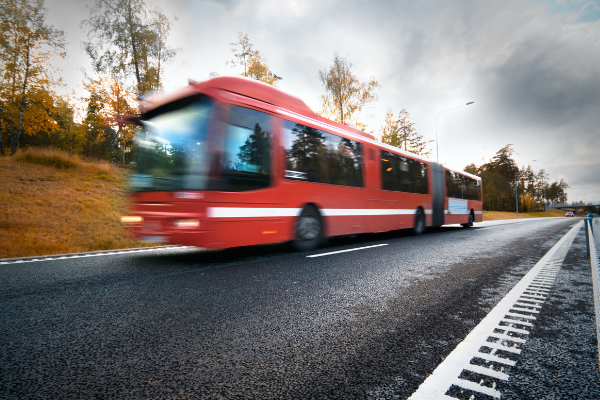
point(447, 373)
point(345, 251)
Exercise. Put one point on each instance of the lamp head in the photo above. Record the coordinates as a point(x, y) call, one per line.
point(471, 102)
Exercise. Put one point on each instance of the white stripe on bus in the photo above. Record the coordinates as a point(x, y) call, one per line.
point(245, 212)
point(254, 212)
point(368, 211)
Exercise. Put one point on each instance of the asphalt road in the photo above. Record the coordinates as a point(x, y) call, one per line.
point(266, 323)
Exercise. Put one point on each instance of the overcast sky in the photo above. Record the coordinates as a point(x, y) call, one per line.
point(532, 67)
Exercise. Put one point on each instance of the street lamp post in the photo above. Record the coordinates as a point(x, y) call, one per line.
point(517, 192)
point(545, 200)
point(437, 154)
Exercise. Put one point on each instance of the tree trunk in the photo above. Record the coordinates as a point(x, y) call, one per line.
point(116, 145)
point(16, 138)
point(70, 142)
point(135, 54)
point(1, 141)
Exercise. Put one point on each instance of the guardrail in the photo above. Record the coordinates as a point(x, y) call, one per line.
point(592, 252)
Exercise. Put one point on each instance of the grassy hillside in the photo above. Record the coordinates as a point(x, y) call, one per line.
point(52, 204)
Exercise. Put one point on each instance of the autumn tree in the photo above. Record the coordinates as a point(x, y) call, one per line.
point(556, 192)
point(258, 70)
point(345, 95)
point(501, 176)
point(129, 41)
point(390, 131)
point(241, 52)
point(401, 132)
point(26, 83)
point(70, 134)
point(99, 136)
point(255, 66)
point(108, 100)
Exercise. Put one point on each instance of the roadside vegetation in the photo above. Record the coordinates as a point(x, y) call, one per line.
point(503, 180)
point(495, 215)
point(54, 204)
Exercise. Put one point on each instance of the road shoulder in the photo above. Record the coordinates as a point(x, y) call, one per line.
point(560, 360)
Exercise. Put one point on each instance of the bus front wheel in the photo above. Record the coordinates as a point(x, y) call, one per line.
point(308, 230)
point(419, 228)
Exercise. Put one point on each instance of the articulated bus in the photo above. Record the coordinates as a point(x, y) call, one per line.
point(234, 162)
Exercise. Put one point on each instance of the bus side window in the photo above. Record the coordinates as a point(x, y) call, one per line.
point(451, 185)
point(246, 159)
point(317, 156)
point(419, 177)
point(473, 190)
point(461, 187)
point(403, 174)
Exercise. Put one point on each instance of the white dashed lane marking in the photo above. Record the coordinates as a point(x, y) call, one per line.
point(485, 356)
point(345, 251)
point(107, 253)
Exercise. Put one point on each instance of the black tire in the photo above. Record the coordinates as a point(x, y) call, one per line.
point(471, 219)
point(308, 230)
point(419, 227)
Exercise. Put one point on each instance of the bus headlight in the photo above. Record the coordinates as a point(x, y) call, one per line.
point(187, 223)
point(131, 219)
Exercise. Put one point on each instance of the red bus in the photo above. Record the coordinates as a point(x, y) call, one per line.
point(234, 162)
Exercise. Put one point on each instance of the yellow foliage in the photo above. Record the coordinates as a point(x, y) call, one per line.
point(258, 70)
point(345, 95)
point(26, 83)
point(114, 100)
point(254, 64)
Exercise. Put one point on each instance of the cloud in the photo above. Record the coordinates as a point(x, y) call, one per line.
point(531, 66)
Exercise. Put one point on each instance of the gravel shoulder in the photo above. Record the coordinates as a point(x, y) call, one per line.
point(560, 360)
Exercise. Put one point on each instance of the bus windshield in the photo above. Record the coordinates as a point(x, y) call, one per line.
point(170, 152)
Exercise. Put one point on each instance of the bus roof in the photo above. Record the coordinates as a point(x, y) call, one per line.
point(275, 97)
point(463, 173)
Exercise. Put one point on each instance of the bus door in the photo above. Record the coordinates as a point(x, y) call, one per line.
point(324, 169)
point(246, 205)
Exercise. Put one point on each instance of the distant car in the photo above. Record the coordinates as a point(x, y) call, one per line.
point(569, 214)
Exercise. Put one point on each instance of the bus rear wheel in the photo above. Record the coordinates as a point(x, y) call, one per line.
point(308, 230)
point(471, 219)
point(419, 228)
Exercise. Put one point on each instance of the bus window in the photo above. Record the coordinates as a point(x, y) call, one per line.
point(317, 156)
point(455, 187)
point(403, 174)
point(473, 189)
point(462, 187)
point(170, 153)
point(246, 159)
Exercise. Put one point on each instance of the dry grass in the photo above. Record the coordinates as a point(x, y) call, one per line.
point(494, 215)
point(48, 157)
point(54, 204)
